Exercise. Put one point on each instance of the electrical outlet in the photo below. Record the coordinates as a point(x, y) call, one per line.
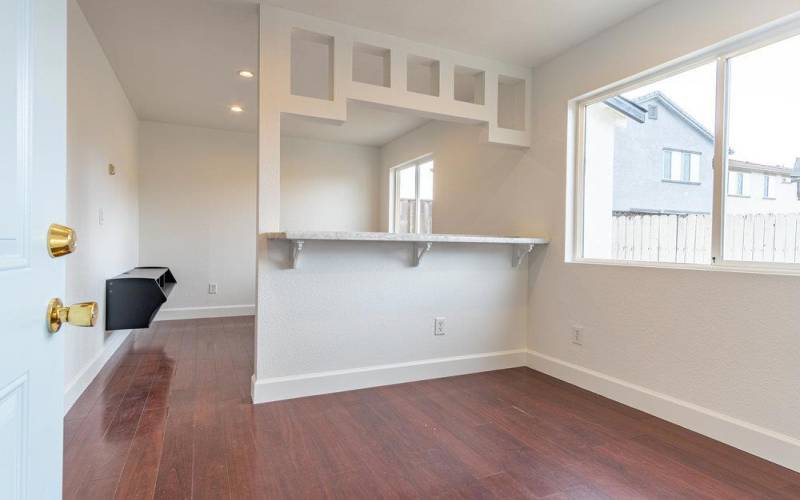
point(438, 326)
point(212, 288)
point(577, 335)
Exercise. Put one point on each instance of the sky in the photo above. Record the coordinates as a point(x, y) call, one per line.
point(406, 178)
point(764, 111)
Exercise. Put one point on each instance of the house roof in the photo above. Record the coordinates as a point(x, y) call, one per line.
point(636, 110)
point(670, 104)
point(627, 108)
point(746, 166)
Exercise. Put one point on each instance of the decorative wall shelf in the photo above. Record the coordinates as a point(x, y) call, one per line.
point(423, 243)
point(372, 65)
point(134, 297)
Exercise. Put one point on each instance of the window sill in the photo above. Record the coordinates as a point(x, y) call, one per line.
point(727, 266)
point(691, 183)
point(768, 198)
point(738, 195)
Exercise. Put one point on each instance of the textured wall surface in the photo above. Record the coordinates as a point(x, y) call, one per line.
point(102, 129)
point(198, 211)
point(470, 181)
point(725, 341)
point(351, 305)
point(327, 186)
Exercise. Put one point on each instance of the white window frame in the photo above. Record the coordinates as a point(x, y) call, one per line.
point(721, 54)
point(746, 183)
point(393, 191)
point(768, 187)
point(683, 153)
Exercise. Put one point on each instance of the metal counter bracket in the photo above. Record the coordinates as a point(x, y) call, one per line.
point(421, 249)
point(519, 253)
point(297, 249)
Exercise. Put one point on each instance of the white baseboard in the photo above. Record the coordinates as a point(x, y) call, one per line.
point(310, 384)
point(770, 445)
point(85, 377)
point(205, 312)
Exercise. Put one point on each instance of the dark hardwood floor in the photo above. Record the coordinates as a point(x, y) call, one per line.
point(170, 417)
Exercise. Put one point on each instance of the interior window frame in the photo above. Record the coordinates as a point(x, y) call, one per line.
point(394, 194)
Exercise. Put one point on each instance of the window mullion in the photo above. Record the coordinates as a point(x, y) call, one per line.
point(418, 203)
point(720, 161)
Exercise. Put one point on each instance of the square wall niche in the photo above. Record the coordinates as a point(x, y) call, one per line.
point(312, 64)
point(469, 85)
point(372, 65)
point(423, 75)
point(511, 103)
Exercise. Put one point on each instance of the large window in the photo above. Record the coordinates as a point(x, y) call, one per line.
point(647, 171)
point(652, 154)
point(764, 138)
point(412, 197)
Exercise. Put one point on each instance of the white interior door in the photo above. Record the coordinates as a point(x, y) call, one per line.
point(32, 196)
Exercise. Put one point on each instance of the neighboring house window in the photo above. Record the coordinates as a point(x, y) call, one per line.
point(412, 196)
point(739, 184)
point(681, 166)
point(767, 187)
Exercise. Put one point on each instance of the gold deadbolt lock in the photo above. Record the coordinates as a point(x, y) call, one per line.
point(61, 240)
point(81, 314)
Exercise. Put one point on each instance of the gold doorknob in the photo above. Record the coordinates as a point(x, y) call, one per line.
point(81, 314)
point(61, 240)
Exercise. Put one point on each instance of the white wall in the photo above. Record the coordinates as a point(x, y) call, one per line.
point(329, 186)
point(470, 183)
point(198, 216)
point(102, 129)
point(660, 339)
point(357, 315)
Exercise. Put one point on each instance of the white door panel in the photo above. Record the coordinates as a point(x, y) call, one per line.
point(32, 196)
point(14, 132)
point(12, 438)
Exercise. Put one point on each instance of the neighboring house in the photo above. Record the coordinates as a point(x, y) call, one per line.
point(663, 164)
point(755, 188)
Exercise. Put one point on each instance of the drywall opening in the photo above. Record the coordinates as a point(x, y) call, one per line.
point(423, 75)
point(312, 64)
point(371, 65)
point(469, 85)
point(331, 174)
point(511, 103)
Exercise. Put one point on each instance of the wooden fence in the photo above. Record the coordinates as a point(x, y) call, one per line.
point(687, 238)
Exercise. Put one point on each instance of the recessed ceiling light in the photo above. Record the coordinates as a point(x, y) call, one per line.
point(246, 74)
point(236, 108)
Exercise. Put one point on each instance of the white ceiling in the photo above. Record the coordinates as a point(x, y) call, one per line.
point(525, 32)
point(366, 125)
point(177, 59)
